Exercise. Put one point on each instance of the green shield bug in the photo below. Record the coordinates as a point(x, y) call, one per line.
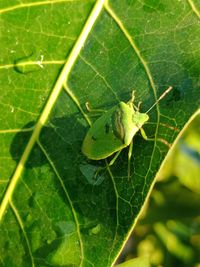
point(115, 130)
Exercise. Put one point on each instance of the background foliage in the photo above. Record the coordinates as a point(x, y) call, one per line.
point(169, 232)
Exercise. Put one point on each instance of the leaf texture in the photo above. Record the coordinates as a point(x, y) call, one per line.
point(56, 55)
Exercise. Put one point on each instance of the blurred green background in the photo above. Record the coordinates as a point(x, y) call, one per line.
point(168, 232)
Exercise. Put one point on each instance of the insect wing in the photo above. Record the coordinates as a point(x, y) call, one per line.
point(101, 140)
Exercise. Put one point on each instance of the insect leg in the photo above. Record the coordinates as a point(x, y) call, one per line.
point(132, 97)
point(129, 158)
point(89, 109)
point(115, 157)
point(144, 134)
point(153, 139)
point(109, 164)
point(139, 105)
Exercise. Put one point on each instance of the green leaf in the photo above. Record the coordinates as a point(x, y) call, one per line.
point(184, 159)
point(55, 56)
point(138, 262)
point(187, 167)
point(173, 243)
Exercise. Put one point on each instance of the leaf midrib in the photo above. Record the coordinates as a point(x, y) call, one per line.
point(62, 79)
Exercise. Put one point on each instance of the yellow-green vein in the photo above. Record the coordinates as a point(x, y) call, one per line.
point(197, 113)
point(134, 46)
point(103, 78)
point(194, 8)
point(68, 198)
point(32, 4)
point(117, 206)
point(75, 100)
point(16, 130)
point(51, 101)
point(15, 211)
point(137, 51)
point(20, 109)
point(30, 63)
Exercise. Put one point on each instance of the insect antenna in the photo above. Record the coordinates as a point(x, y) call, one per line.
point(161, 97)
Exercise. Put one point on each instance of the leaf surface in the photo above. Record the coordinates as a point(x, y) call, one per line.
point(55, 56)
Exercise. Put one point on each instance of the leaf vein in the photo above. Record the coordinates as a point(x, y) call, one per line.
point(16, 130)
point(32, 4)
point(68, 198)
point(133, 45)
point(194, 8)
point(148, 72)
point(20, 222)
point(30, 63)
point(75, 100)
point(101, 76)
point(117, 208)
point(51, 101)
